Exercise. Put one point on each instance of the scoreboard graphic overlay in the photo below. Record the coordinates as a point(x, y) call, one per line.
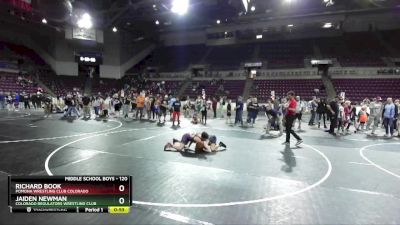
point(69, 194)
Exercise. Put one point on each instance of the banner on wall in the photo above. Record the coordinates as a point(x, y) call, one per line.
point(253, 64)
point(84, 34)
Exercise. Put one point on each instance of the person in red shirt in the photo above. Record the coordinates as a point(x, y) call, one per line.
point(290, 118)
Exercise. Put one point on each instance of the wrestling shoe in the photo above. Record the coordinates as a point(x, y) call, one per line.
point(222, 144)
point(299, 142)
point(174, 140)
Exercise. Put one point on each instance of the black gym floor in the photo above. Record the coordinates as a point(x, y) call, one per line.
point(352, 179)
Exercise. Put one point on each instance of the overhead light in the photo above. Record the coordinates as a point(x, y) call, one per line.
point(218, 21)
point(82, 58)
point(114, 29)
point(290, 25)
point(92, 59)
point(245, 4)
point(253, 8)
point(157, 22)
point(85, 21)
point(329, 2)
point(180, 7)
point(327, 25)
point(44, 21)
point(154, 6)
point(87, 59)
point(259, 36)
point(226, 32)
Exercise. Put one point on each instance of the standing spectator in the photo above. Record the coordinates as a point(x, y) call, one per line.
point(170, 102)
point(290, 118)
point(105, 106)
point(397, 118)
point(353, 115)
point(140, 106)
point(117, 106)
point(10, 105)
point(48, 106)
point(209, 104)
point(214, 107)
point(252, 111)
point(176, 107)
point(341, 118)
point(299, 111)
point(198, 103)
point(221, 106)
point(125, 108)
point(34, 100)
point(20, 100)
point(347, 115)
point(313, 110)
point(71, 103)
point(388, 116)
point(272, 115)
point(362, 117)
point(2, 100)
point(86, 106)
point(203, 110)
point(133, 103)
point(96, 105)
point(156, 109)
point(321, 112)
point(333, 114)
point(147, 104)
point(39, 100)
point(26, 101)
point(152, 107)
point(375, 114)
point(163, 108)
point(186, 108)
point(17, 102)
point(229, 112)
point(239, 111)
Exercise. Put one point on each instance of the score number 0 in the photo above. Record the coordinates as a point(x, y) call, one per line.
point(121, 188)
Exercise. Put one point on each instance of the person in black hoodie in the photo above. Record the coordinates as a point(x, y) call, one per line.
point(239, 110)
point(229, 112)
point(204, 112)
point(333, 114)
point(26, 101)
point(86, 106)
point(34, 100)
point(321, 111)
point(71, 102)
point(252, 110)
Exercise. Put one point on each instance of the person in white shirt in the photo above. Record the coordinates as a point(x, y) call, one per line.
point(299, 110)
point(313, 109)
point(341, 118)
point(106, 105)
point(96, 106)
point(221, 106)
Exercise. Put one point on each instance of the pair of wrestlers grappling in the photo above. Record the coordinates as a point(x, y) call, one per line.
point(204, 143)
